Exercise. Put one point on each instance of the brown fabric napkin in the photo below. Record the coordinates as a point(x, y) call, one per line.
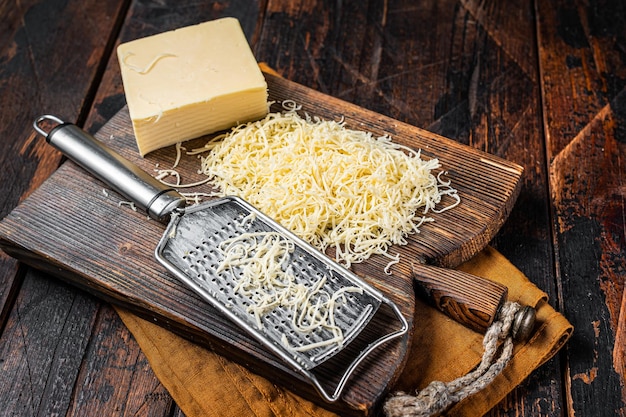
point(205, 384)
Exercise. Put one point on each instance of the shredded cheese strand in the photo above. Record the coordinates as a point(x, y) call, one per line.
point(259, 263)
point(334, 187)
point(148, 67)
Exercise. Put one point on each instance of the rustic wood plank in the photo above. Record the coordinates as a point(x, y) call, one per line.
point(583, 77)
point(463, 69)
point(115, 377)
point(49, 58)
point(43, 345)
point(33, 78)
point(581, 52)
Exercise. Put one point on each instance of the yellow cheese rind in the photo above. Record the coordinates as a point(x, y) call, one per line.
point(189, 82)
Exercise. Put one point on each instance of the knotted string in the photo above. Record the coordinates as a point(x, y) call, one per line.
point(438, 396)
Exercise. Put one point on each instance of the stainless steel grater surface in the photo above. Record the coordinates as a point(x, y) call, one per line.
point(189, 251)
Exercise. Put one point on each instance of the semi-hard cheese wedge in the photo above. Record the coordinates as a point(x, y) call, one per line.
point(189, 82)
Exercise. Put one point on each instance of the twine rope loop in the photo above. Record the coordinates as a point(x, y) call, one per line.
point(438, 395)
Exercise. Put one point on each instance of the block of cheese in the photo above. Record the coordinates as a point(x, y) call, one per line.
point(189, 82)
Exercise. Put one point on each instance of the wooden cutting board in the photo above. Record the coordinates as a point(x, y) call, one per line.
point(73, 227)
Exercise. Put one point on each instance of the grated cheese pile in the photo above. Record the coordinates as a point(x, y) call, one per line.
point(334, 187)
point(260, 264)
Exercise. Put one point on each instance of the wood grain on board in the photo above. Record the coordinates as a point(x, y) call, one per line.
point(582, 50)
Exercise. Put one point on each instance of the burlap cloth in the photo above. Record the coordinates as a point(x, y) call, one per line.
point(205, 384)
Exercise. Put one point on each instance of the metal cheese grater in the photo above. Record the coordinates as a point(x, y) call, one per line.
point(188, 249)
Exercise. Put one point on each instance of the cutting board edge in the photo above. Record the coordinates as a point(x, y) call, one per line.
point(471, 245)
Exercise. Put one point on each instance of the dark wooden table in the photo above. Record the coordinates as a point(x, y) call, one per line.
point(539, 83)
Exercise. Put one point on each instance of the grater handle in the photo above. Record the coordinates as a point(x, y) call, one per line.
point(471, 300)
point(155, 198)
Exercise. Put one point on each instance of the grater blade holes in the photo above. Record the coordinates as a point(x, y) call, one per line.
point(196, 242)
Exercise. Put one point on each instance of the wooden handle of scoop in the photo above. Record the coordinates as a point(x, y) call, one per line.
point(471, 300)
